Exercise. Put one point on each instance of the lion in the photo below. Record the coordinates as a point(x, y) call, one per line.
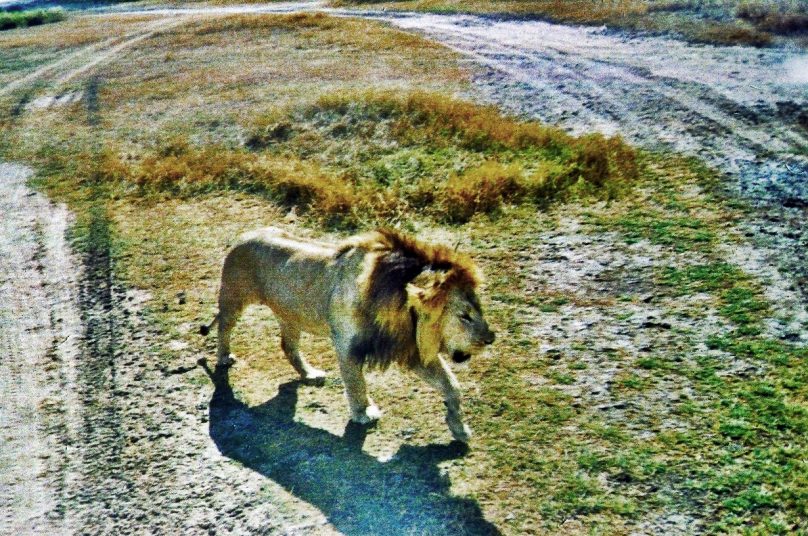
point(383, 298)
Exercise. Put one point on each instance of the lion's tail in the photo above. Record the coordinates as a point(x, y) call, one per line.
point(205, 329)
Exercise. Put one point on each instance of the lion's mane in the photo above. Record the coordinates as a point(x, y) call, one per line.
point(388, 321)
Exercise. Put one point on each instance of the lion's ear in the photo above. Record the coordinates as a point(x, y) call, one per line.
point(432, 286)
point(427, 279)
point(416, 297)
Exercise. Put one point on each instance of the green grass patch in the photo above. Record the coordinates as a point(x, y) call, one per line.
point(742, 459)
point(682, 233)
point(740, 299)
point(356, 158)
point(10, 20)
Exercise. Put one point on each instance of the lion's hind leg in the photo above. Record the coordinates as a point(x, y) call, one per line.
point(229, 313)
point(290, 343)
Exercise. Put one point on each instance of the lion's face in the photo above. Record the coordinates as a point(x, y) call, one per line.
point(464, 330)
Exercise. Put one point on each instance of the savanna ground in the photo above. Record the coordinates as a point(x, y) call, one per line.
point(742, 22)
point(650, 370)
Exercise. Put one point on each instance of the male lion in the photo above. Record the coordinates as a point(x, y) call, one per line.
point(382, 297)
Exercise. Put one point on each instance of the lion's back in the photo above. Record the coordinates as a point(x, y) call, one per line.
point(296, 277)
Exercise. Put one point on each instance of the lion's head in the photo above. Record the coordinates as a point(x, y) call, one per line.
point(450, 318)
point(421, 300)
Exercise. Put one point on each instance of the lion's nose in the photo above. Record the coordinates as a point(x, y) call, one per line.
point(489, 337)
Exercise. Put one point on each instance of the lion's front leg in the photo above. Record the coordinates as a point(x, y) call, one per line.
point(363, 410)
point(438, 375)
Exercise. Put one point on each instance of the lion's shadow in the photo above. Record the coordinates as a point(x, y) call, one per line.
point(356, 492)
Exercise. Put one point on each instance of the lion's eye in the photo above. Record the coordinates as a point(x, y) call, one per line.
point(465, 317)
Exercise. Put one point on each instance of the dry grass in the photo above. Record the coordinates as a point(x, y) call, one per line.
point(185, 171)
point(774, 17)
point(543, 163)
point(150, 97)
point(724, 34)
point(80, 31)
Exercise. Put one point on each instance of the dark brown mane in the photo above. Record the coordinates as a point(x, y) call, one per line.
point(388, 333)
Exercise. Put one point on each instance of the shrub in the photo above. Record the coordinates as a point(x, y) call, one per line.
point(33, 17)
point(727, 34)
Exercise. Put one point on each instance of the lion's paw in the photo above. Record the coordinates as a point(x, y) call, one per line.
point(225, 360)
point(314, 376)
point(371, 414)
point(460, 432)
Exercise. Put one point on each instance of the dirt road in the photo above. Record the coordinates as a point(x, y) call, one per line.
point(39, 331)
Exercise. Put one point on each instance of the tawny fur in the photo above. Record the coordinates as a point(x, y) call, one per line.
point(382, 297)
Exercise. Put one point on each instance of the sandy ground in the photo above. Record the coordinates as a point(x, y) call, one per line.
point(99, 437)
point(40, 329)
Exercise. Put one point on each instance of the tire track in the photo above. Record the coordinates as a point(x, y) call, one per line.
point(40, 337)
point(45, 69)
point(75, 64)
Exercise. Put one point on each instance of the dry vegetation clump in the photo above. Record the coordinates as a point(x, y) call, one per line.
point(775, 18)
point(351, 158)
point(453, 157)
point(727, 34)
point(178, 169)
point(248, 23)
point(482, 189)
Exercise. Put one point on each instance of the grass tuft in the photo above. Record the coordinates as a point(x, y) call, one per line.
point(352, 158)
point(10, 20)
point(452, 157)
